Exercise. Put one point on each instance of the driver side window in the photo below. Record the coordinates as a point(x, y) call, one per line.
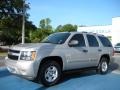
point(80, 39)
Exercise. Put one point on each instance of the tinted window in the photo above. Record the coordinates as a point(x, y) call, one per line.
point(92, 41)
point(105, 41)
point(80, 39)
point(56, 38)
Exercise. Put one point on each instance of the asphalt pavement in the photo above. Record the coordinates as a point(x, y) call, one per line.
point(87, 80)
point(115, 65)
point(75, 81)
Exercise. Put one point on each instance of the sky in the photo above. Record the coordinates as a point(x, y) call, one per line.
point(79, 12)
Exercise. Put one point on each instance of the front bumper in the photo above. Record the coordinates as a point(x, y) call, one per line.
point(22, 68)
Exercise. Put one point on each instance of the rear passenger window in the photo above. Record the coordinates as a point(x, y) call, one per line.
point(105, 41)
point(92, 41)
point(80, 39)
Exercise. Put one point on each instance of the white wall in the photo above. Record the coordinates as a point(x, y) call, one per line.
point(115, 30)
point(107, 30)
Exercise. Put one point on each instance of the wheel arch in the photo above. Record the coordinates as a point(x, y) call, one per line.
point(43, 62)
point(106, 56)
point(58, 59)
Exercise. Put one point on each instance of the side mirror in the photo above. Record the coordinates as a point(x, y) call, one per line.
point(73, 43)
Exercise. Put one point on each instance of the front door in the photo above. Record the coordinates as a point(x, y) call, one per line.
point(77, 55)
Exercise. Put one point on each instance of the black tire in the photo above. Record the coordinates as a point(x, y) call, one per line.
point(46, 73)
point(103, 66)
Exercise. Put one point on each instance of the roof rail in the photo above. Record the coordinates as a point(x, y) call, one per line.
point(84, 32)
point(93, 33)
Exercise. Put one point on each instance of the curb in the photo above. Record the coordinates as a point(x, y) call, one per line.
point(116, 72)
point(3, 68)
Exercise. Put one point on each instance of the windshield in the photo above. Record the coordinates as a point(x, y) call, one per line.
point(56, 38)
point(118, 44)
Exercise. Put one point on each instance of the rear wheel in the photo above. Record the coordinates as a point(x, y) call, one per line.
point(103, 66)
point(50, 73)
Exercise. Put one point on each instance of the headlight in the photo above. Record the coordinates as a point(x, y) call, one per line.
point(28, 55)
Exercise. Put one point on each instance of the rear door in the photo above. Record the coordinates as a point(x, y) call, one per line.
point(94, 49)
point(107, 46)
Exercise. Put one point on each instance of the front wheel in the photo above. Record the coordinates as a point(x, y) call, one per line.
point(103, 66)
point(50, 73)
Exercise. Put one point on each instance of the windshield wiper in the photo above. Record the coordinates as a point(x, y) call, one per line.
point(45, 42)
point(48, 42)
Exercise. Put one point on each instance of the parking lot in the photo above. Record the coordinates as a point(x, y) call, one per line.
point(87, 80)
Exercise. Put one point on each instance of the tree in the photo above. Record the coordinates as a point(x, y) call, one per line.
point(11, 8)
point(66, 28)
point(58, 28)
point(43, 31)
point(45, 24)
point(11, 21)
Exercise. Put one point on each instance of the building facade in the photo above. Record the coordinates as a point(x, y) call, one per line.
point(111, 31)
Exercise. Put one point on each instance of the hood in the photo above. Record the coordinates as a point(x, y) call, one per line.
point(33, 46)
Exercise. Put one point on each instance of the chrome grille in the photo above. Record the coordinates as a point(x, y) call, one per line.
point(13, 54)
point(12, 57)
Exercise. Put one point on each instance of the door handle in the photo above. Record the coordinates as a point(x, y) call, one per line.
point(99, 50)
point(85, 50)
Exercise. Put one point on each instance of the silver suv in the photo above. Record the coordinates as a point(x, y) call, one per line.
point(57, 53)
